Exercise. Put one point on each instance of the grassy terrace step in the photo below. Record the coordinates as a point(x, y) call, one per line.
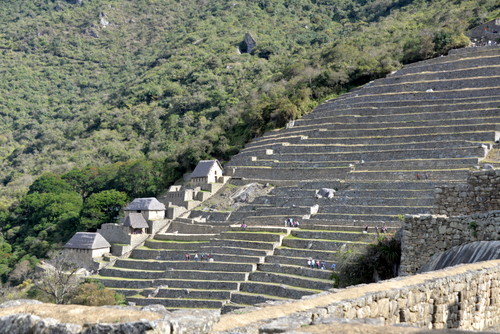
point(415, 185)
point(245, 298)
point(403, 129)
point(435, 85)
point(375, 123)
point(455, 74)
point(277, 289)
point(145, 253)
point(379, 200)
point(233, 250)
point(172, 244)
point(257, 245)
point(185, 236)
point(128, 283)
point(418, 164)
point(365, 217)
point(290, 173)
point(323, 226)
point(174, 274)
point(292, 280)
point(190, 293)
point(425, 174)
point(356, 102)
point(335, 235)
point(271, 229)
point(396, 154)
point(344, 222)
point(330, 148)
point(183, 265)
point(319, 244)
point(303, 270)
point(370, 115)
point(304, 253)
point(174, 303)
point(253, 235)
point(378, 109)
point(479, 136)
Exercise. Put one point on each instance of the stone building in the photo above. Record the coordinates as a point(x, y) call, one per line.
point(136, 223)
point(207, 171)
point(149, 207)
point(84, 247)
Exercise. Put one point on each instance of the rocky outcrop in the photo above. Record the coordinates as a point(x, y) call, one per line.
point(193, 321)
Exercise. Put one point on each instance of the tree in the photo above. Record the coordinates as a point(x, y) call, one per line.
point(101, 208)
point(58, 281)
point(49, 183)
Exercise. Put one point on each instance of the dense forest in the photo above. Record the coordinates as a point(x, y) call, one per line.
point(105, 100)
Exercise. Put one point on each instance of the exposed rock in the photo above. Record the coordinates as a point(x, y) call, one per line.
point(27, 323)
point(325, 193)
point(193, 321)
point(282, 325)
point(17, 302)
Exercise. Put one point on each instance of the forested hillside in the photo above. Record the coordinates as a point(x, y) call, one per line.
point(119, 97)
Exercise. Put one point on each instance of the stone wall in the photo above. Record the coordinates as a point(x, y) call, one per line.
point(427, 235)
point(480, 194)
point(465, 297)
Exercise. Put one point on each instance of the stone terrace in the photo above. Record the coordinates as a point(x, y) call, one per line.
point(383, 148)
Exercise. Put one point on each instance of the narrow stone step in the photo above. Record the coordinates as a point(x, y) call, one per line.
point(252, 235)
point(185, 236)
point(334, 235)
point(190, 293)
point(174, 245)
point(257, 245)
point(291, 280)
point(301, 270)
point(175, 303)
point(174, 274)
point(246, 298)
point(330, 245)
point(378, 210)
point(183, 265)
point(276, 289)
point(233, 250)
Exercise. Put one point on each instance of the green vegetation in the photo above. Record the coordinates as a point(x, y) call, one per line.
point(119, 98)
point(376, 262)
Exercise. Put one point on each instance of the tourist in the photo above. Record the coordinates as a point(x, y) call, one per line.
point(333, 266)
point(243, 226)
point(366, 229)
point(187, 256)
point(196, 258)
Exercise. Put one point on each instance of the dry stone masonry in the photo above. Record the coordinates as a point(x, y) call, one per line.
point(480, 194)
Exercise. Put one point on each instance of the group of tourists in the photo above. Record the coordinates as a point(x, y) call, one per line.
point(378, 229)
point(196, 257)
point(290, 222)
point(317, 264)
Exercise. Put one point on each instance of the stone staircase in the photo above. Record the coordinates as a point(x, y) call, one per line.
point(383, 148)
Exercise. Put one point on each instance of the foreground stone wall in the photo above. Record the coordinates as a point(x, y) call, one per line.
point(427, 235)
point(480, 194)
point(465, 297)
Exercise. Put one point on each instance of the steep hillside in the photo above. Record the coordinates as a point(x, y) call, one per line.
point(102, 81)
point(348, 173)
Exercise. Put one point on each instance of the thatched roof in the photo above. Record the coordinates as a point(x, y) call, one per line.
point(204, 167)
point(135, 220)
point(145, 204)
point(87, 240)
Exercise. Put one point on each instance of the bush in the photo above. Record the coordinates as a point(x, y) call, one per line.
point(95, 294)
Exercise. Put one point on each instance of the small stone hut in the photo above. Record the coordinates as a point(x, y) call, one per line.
point(207, 171)
point(83, 247)
point(486, 33)
point(135, 222)
point(149, 207)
